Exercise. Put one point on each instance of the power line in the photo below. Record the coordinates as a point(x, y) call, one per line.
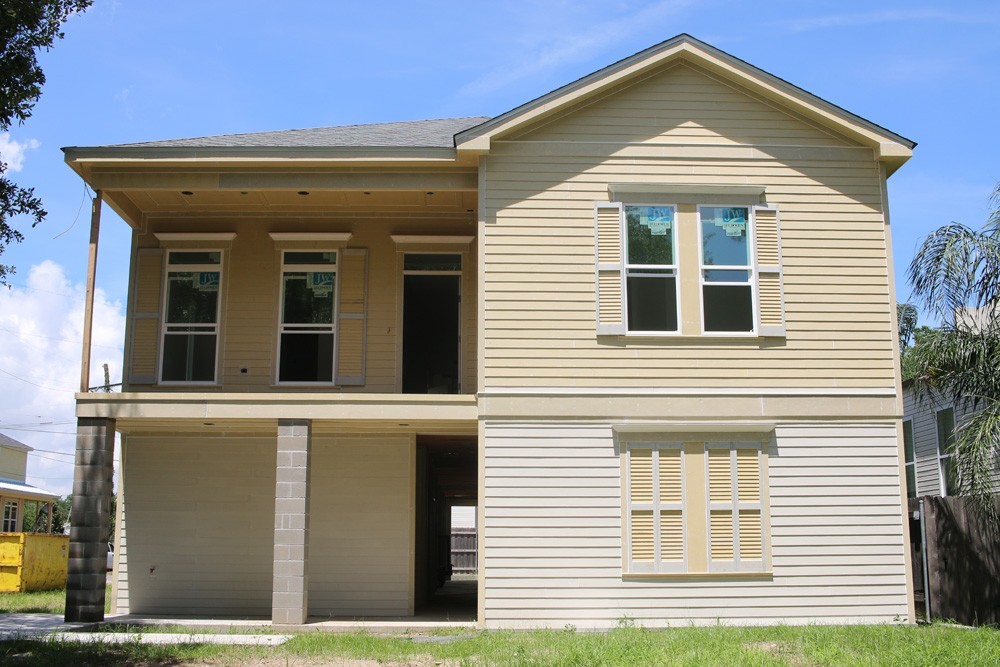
point(65, 340)
point(35, 384)
point(37, 430)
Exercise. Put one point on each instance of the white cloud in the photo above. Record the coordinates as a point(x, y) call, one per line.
point(12, 151)
point(551, 49)
point(41, 328)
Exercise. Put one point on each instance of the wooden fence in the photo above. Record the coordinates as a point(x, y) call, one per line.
point(963, 560)
point(463, 551)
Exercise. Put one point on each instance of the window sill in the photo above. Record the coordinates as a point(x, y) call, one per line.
point(700, 576)
point(305, 385)
point(689, 338)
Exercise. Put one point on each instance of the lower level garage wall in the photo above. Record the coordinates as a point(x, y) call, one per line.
point(200, 515)
point(553, 533)
point(360, 535)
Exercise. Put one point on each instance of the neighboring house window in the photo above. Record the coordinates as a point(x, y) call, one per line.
point(308, 316)
point(945, 439)
point(908, 452)
point(650, 269)
point(10, 508)
point(726, 269)
point(191, 321)
point(666, 480)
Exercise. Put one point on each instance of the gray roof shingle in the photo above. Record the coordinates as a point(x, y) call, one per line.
point(416, 134)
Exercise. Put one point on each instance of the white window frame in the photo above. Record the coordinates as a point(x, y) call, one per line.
point(734, 506)
point(627, 267)
point(943, 458)
point(656, 507)
point(750, 268)
point(209, 328)
point(909, 464)
point(11, 510)
point(301, 328)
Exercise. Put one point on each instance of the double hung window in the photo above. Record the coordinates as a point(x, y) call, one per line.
point(10, 508)
point(308, 316)
point(651, 268)
point(726, 269)
point(191, 321)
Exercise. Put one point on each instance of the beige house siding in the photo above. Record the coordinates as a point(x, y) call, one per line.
point(250, 292)
point(13, 463)
point(538, 194)
point(553, 539)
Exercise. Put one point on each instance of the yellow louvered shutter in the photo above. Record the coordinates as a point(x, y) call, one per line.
point(751, 535)
point(671, 488)
point(721, 529)
point(748, 475)
point(144, 345)
point(643, 536)
point(609, 264)
point(641, 475)
point(770, 296)
point(352, 275)
point(720, 476)
point(672, 536)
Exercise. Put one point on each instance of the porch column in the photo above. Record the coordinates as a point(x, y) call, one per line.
point(290, 589)
point(88, 536)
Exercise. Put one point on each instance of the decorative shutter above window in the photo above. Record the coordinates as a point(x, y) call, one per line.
point(144, 345)
point(352, 274)
point(770, 292)
point(609, 265)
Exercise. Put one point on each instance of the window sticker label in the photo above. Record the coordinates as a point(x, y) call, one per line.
point(734, 221)
point(658, 219)
point(207, 281)
point(321, 282)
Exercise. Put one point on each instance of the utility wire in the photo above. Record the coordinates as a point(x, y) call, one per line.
point(65, 340)
point(42, 386)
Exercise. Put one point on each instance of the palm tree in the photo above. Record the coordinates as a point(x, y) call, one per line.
point(956, 276)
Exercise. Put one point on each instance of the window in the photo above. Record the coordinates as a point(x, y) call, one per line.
point(308, 322)
point(695, 507)
point(10, 508)
point(649, 282)
point(726, 269)
point(191, 320)
point(945, 439)
point(908, 453)
point(650, 269)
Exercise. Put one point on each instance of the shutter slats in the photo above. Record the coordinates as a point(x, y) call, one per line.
point(748, 475)
point(672, 536)
point(671, 484)
point(145, 343)
point(608, 255)
point(641, 475)
point(720, 479)
point(771, 311)
point(352, 276)
point(643, 546)
point(721, 529)
point(751, 540)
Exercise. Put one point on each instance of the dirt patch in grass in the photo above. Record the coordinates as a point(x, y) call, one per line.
point(282, 661)
point(781, 650)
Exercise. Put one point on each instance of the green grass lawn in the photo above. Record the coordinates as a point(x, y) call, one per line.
point(935, 645)
point(43, 602)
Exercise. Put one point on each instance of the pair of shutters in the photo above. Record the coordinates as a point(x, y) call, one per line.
point(147, 309)
point(609, 225)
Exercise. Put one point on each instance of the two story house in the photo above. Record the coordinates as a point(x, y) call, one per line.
point(645, 323)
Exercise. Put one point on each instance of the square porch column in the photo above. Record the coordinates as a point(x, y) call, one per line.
point(88, 536)
point(290, 588)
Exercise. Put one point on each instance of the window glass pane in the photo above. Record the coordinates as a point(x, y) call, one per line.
point(945, 430)
point(195, 257)
point(725, 235)
point(728, 308)
point(908, 440)
point(310, 258)
point(911, 482)
point(188, 358)
point(192, 297)
point(432, 262)
point(726, 276)
point(650, 234)
point(306, 357)
point(652, 303)
point(308, 297)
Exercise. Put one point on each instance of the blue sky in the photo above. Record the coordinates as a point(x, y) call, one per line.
point(143, 70)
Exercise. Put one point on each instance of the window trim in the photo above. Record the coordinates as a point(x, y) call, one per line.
point(909, 464)
point(751, 268)
point(675, 267)
point(165, 308)
point(291, 268)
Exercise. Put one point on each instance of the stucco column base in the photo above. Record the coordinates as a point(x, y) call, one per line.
point(87, 575)
point(290, 590)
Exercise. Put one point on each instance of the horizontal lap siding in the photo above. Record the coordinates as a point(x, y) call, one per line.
point(201, 525)
point(553, 533)
point(359, 529)
point(539, 189)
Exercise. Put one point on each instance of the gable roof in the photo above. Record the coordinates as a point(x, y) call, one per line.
point(888, 144)
point(7, 441)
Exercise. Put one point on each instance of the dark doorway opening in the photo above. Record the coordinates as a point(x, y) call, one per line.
point(430, 333)
point(446, 477)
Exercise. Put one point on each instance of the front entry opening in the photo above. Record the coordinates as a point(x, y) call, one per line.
point(446, 577)
point(431, 302)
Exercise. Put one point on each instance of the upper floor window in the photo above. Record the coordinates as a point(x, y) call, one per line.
point(650, 268)
point(945, 439)
point(191, 316)
point(306, 350)
point(726, 269)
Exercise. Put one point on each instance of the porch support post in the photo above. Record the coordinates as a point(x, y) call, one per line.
point(88, 536)
point(88, 306)
point(290, 589)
